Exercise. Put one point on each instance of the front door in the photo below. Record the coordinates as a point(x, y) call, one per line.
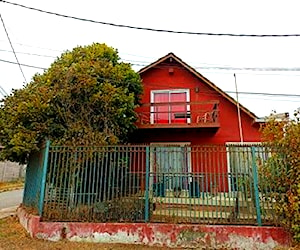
point(170, 167)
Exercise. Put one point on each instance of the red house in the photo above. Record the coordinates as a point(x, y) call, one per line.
point(181, 105)
point(181, 108)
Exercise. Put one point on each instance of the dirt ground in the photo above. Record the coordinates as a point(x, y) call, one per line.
point(13, 236)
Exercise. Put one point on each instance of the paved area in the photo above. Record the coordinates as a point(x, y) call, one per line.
point(11, 198)
point(5, 212)
point(9, 202)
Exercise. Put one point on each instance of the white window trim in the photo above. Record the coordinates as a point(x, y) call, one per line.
point(153, 92)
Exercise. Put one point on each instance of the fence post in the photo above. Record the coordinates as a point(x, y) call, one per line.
point(44, 175)
point(255, 184)
point(147, 184)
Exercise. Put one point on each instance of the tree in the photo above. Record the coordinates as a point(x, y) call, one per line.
point(282, 171)
point(86, 97)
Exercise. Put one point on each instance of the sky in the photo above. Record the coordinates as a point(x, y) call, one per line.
point(38, 38)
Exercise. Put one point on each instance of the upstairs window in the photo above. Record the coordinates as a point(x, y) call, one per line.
point(170, 106)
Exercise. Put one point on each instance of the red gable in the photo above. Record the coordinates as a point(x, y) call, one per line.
point(178, 100)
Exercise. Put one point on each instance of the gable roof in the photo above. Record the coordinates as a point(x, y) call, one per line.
point(199, 76)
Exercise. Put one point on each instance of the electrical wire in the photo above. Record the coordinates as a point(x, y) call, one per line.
point(3, 92)
point(265, 94)
point(36, 47)
point(150, 29)
point(26, 53)
point(160, 85)
point(228, 68)
point(145, 63)
point(12, 47)
point(25, 65)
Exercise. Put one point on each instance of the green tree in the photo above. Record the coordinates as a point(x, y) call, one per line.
point(87, 96)
point(282, 171)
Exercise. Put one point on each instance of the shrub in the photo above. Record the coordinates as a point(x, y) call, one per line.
point(282, 170)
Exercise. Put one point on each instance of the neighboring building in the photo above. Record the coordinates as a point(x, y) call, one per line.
point(10, 171)
point(181, 105)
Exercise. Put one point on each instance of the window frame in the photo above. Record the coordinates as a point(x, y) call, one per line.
point(170, 91)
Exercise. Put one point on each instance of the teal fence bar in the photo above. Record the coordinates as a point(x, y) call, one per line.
point(255, 185)
point(35, 180)
point(210, 184)
point(147, 185)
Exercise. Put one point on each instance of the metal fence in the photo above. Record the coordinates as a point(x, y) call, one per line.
point(96, 184)
point(35, 179)
point(158, 183)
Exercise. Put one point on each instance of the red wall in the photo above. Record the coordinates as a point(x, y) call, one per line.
point(158, 77)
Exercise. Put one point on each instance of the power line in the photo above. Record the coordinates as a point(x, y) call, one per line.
point(36, 47)
point(157, 84)
point(26, 53)
point(167, 86)
point(251, 69)
point(255, 73)
point(12, 47)
point(270, 99)
point(264, 94)
point(230, 68)
point(25, 65)
point(3, 92)
point(151, 29)
point(145, 63)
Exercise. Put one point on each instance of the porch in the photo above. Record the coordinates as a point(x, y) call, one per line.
point(203, 114)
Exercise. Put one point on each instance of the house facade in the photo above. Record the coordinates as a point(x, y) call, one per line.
point(180, 112)
point(181, 105)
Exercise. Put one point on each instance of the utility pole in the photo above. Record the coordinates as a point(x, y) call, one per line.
point(238, 111)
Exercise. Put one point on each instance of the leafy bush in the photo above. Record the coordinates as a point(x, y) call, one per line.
point(86, 97)
point(125, 209)
point(282, 171)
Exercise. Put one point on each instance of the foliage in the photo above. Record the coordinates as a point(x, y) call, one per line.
point(119, 209)
point(282, 171)
point(86, 97)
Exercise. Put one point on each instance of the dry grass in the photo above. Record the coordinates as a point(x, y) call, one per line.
point(13, 236)
point(12, 185)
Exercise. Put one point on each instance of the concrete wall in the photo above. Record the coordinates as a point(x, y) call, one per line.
point(10, 171)
point(168, 235)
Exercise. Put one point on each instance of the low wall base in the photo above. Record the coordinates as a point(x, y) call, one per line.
point(154, 234)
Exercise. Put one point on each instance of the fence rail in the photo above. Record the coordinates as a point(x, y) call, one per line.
point(159, 183)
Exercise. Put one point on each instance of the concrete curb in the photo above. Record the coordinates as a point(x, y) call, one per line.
point(11, 189)
point(5, 212)
point(155, 234)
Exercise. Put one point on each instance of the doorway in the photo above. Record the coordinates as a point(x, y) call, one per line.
point(170, 167)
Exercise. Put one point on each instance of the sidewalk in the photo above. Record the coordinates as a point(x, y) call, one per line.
point(5, 212)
